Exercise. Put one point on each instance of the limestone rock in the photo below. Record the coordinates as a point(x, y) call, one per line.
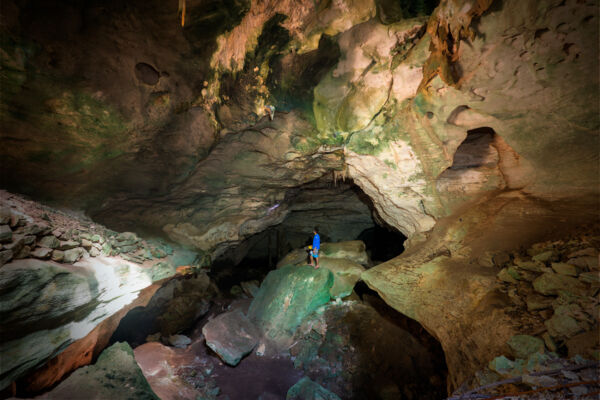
point(29, 240)
point(68, 245)
point(523, 346)
point(585, 262)
point(16, 245)
point(116, 375)
point(250, 287)
point(41, 252)
point(179, 341)
point(23, 253)
point(37, 230)
point(590, 277)
point(86, 244)
point(354, 250)
point(5, 234)
point(529, 265)
point(345, 275)
point(565, 269)
point(562, 324)
point(505, 276)
point(94, 252)
point(73, 255)
point(231, 335)
point(161, 271)
point(286, 296)
point(536, 302)
point(305, 389)
point(544, 257)
point(550, 283)
point(50, 242)
point(58, 255)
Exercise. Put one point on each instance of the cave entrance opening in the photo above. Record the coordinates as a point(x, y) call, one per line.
point(341, 211)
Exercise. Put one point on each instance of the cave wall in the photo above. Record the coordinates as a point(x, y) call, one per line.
point(472, 130)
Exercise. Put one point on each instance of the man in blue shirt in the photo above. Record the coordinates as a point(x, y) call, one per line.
point(316, 246)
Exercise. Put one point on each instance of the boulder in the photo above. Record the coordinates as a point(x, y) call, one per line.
point(565, 269)
point(5, 234)
point(58, 255)
point(345, 275)
point(73, 255)
point(537, 302)
point(23, 253)
point(68, 245)
point(16, 245)
point(563, 325)
point(305, 389)
point(41, 252)
point(286, 296)
point(523, 346)
point(354, 250)
point(590, 262)
point(231, 335)
point(550, 283)
point(179, 341)
point(116, 375)
point(505, 276)
point(49, 241)
point(531, 266)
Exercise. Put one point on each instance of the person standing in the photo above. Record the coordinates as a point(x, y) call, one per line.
point(316, 246)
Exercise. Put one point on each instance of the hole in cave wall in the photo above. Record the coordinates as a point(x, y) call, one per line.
point(476, 150)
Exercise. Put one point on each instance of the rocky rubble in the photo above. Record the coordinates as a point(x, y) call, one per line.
point(554, 288)
point(554, 292)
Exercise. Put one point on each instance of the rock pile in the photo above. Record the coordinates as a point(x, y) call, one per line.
point(29, 230)
point(554, 288)
point(554, 293)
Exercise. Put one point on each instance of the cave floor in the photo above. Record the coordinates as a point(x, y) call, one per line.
point(179, 373)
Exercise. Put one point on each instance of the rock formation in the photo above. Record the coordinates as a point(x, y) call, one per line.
point(469, 127)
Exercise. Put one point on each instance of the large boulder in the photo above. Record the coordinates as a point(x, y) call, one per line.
point(116, 375)
point(345, 275)
point(286, 296)
point(231, 335)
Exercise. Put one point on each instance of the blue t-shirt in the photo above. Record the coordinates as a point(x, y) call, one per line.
point(317, 242)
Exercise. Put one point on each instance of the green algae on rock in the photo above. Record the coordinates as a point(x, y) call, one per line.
point(286, 296)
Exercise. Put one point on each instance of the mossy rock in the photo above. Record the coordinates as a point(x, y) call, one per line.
point(286, 296)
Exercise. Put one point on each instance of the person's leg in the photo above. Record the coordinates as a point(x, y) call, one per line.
point(312, 260)
point(317, 259)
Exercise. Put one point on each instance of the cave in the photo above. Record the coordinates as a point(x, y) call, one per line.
point(164, 165)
